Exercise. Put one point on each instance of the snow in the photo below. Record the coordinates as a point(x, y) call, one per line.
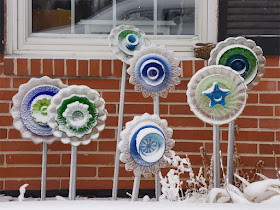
point(123, 205)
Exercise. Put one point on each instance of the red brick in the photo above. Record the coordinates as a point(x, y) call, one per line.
point(1, 159)
point(258, 111)
point(9, 146)
point(58, 171)
point(9, 66)
point(109, 172)
point(71, 67)
point(58, 146)
point(187, 146)
point(270, 123)
point(22, 67)
point(175, 97)
point(117, 68)
point(184, 122)
point(107, 146)
point(251, 136)
point(83, 68)
point(47, 67)
point(252, 98)
point(106, 68)
point(1, 58)
point(277, 110)
point(272, 61)
point(31, 159)
point(198, 64)
point(96, 83)
point(86, 171)
point(14, 134)
point(112, 121)
point(269, 148)
point(183, 85)
point(193, 134)
point(92, 146)
point(94, 68)
point(138, 108)
point(270, 98)
point(89, 184)
point(180, 109)
point(271, 173)
point(252, 160)
point(19, 81)
point(111, 108)
point(107, 134)
point(94, 159)
point(3, 133)
point(35, 66)
point(7, 94)
point(129, 97)
point(266, 86)
point(1, 72)
point(59, 67)
point(20, 172)
point(5, 82)
point(188, 68)
point(246, 122)
point(6, 120)
point(272, 73)
point(33, 184)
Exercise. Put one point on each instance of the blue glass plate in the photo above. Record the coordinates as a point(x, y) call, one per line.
point(152, 144)
point(26, 114)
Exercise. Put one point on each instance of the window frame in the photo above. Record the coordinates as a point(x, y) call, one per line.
point(20, 42)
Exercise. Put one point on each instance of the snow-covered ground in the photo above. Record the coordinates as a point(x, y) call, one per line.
point(129, 205)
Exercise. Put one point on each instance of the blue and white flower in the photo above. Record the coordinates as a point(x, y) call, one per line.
point(154, 71)
point(30, 105)
point(144, 143)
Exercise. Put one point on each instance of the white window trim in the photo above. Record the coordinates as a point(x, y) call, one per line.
point(20, 43)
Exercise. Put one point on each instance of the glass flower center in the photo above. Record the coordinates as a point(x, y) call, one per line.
point(148, 146)
point(44, 110)
point(238, 65)
point(77, 115)
point(131, 41)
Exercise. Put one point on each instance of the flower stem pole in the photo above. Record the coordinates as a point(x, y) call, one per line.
point(157, 178)
point(44, 171)
point(73, 173)
point(136, 184)
point(230, 152)
point(120, 125)
point(216, 155)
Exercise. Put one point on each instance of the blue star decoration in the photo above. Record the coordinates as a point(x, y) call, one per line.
point(217, 95)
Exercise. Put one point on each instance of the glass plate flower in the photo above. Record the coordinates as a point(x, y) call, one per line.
point(30, 105)
point(243, 56)
point(125, 40)
point(77, 115)
point(144, 143)
point(154, 71)
point(217, 94)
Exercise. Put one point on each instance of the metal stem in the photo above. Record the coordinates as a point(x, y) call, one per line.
point(230, 152)
point(73, 173)
point(44, 171)
point(120, 125)
point(136, 184)
point(73, 16)
point(216, 155)
point(157, 178)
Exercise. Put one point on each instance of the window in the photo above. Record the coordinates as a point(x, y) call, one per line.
point(257, 20)
point(81, 27)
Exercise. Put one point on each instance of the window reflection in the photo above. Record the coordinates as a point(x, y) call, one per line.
point(162, 17)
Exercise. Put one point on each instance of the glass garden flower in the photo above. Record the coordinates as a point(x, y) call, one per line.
point(125, 40)
point(30, 108)
point(154, 71)
point(243, 56)
point(144, 143)
point(77, 114)
point(217, 94)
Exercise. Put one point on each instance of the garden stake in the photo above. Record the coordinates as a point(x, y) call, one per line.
point(44, 171)
point(73, 173)
point(216, 155)
point(136, 184)
point(230, 152)
point(120, 125)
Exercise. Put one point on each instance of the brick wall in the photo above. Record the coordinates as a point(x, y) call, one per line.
point(20, 160)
